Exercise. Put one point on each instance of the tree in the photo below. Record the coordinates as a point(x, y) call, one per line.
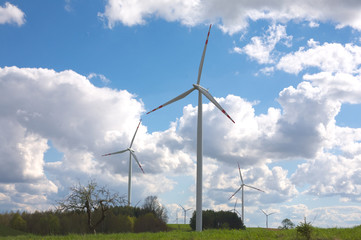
point(93, 200)
point(151, 204)
point(149, 223)
point(287, 224)
point(18, 223)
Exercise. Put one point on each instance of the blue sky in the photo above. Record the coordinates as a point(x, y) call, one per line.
point(76, 77)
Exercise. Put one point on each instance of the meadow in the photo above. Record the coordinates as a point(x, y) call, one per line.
point(184, 233)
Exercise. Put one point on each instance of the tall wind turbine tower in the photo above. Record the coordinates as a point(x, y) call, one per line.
point(131, 154)
point(201, 91)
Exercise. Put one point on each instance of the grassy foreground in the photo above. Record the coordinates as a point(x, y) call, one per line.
point(184, 233)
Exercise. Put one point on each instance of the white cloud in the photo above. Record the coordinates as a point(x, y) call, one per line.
point(233, 16)
point(67, 6)
point(102, 78)
point(11, 14)
point(132, 13)
point(266, 71)
point(41, 105)
point(38, 105)
point(260, 48)
point(343, 87)
point(329, 57)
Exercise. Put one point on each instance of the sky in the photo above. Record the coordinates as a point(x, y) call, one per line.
point(76, 77)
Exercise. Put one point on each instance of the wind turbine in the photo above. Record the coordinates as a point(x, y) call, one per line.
point(242, 187)
point(234, 208)
point(185, 212)
point(267, 216)
point(131, 153)
point(201, 90)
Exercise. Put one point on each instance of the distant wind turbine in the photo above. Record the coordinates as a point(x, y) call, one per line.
point(242, 187)
point(234, 208)
point(185, 212)
point(267, 216)
point(201, 90)
point(131, 153)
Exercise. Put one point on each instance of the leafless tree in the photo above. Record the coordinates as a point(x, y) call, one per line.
point(91, 199)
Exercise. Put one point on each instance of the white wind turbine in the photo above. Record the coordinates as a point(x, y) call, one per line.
point(185, 212)
point(201, 90)
point(267, 216)
point(242, 187)
point(131, 153)
point(234, 208)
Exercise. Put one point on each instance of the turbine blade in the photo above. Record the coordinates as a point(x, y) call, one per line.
point(264, 212)
point(115, 153)
point(135, 157)
point(240, 174)
point(210, 97)
point(203, 54)
point(131, 143)
point(181, 207)
point(254, 188)
point(271, 213)
point(174, 99)
point(235, 192)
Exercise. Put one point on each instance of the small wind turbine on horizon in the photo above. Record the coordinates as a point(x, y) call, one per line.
point(185, 212)
point(242, 187)
point(234, 208)
point(201, 91)
point(267, 216)
point(131, 154)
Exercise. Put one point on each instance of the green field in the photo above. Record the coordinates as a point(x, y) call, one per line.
point(185, 233)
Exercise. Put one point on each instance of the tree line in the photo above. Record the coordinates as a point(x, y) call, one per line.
point(119, 219)
point(91, 209)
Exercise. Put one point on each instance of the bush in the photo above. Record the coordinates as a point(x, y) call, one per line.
point(149, 223)
point(218, 220)
point(304, 229)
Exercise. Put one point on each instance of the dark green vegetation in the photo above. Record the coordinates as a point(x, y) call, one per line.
point(218, 220)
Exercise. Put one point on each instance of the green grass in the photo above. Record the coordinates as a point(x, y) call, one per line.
point(185, 234)
point(180, 227)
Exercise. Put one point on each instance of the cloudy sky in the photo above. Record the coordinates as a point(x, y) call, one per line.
point(76, 76)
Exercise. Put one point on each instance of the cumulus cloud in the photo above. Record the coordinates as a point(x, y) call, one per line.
point(42, 105)
point(329, 57)
point(260, 48)
point(232, 16)
point(39, 105)
point(11, 14)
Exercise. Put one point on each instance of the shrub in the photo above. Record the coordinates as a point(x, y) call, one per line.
point(149, 223)
point(218, 220)
point(304, 229)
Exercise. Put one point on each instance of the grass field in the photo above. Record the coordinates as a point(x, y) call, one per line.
point(185, 233)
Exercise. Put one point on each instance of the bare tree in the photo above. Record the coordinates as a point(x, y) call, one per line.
point(91, 199)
